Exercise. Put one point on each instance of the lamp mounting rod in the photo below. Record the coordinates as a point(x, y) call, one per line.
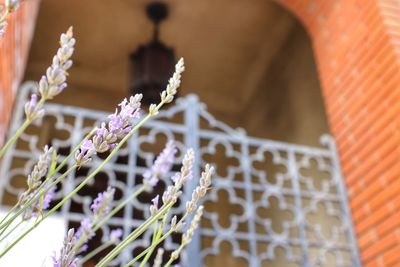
point(157, 11)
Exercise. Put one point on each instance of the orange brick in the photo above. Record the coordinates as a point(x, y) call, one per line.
point(389, 224)
point(377, 214)
point(9, 74)
point(392, 256)
point(385, 243)
point(363, 111)
point(367, 238)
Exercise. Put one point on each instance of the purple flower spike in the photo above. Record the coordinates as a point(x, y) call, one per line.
point(85, 228)
point(121, 123)
point(85, 233)
point(33, 109)
point(115, 123)
point(3, 26)
point(84, 154)
point(67, 256)
point(101, 205)
point(155, 201)
point(162, 165)
point(54, 82)
point(48, 198)
point(87, 145)
point(131, 109)
point(33, 210)
point(175, 177)
point(154, 206)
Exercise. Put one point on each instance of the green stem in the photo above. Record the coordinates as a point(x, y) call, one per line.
point(85, 181)
point(72, 153)
point(18, 133)
point(119, 207)
point(8, 214)
point(13, 138)
point(152, 247)
point(59, 167)
point(109, 215)
point(95, 251)
point(156, 236)
point(171, 260)
point(49, 177)
point(4, 229)
point(132, 236)
point(15, 227)
point(36, 198)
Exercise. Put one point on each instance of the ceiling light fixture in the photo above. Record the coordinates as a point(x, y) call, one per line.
point(153, 63)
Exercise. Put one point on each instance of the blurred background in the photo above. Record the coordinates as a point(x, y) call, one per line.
point(266, 85)
point(251, 62)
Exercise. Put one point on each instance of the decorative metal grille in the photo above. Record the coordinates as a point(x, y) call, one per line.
point(273, 203)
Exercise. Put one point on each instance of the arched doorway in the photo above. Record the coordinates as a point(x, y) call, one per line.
point(314, 15)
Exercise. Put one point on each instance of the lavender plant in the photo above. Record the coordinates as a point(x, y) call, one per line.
point(49, 86)
point(10, 6)
point(34, 203)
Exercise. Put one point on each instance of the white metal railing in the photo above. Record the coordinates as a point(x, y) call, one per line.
point(297, 190)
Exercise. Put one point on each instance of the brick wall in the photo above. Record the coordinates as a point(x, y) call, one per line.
point(14, 46)
point(357, 45)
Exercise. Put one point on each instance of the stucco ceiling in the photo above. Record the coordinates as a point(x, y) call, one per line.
point(250, 61)
point(227, 44)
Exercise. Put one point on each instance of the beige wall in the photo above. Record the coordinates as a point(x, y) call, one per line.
point(288, 105)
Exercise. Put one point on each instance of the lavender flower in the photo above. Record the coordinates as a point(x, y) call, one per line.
point(174, 191)
point(175, 177)
point(130, 109)
point(103, 138)
point(186, 170)
point(10, 6)
point(67, 256)
point(38, 172)
point(53, 83)
point(201, 190)
point(84, 233)
point(33, 108)
point(85, 152)
point(162, 165)
point(187, 237)
point(115, 235)
point(177, 226)
point(108, 135)
point(153, 109)
point(48, 197)
point(3, 26)
point(173, 84)
point(101, 205)
point(154, 206)
point(121, 122)
point(40, 169)
point(41, 205)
